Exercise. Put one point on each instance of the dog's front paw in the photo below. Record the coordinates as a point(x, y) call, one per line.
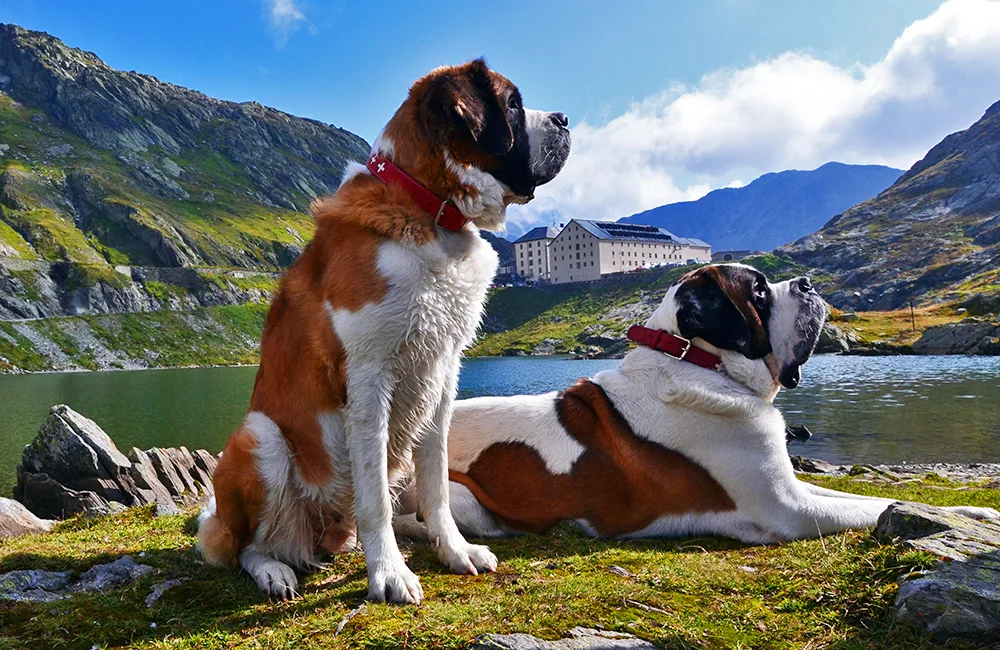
point(276, 579)
point(469, 559)
point(976, 512)
point(394, 583)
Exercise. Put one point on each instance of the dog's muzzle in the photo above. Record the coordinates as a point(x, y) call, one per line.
point(548, 135)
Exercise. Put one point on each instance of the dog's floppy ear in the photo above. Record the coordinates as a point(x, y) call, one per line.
point(715, 304)
point(466, 100)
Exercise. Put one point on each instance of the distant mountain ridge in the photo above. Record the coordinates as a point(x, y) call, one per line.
point(101, 166)
point(774, 209)
point(934, 235)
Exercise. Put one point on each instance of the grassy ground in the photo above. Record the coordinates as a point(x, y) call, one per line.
point(705, 593)
point(895, 328)
point(164, 339)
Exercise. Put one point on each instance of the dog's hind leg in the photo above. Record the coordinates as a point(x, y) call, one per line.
point(227, 523)
point(471, 517)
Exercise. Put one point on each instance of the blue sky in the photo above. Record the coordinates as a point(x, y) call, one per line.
point(349, 63)
point(667, 99)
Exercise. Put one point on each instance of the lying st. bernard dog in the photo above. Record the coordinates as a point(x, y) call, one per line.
point(360, 353)
point(661, 446)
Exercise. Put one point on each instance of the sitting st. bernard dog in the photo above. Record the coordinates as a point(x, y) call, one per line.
point(680, 439)
point(361, 349)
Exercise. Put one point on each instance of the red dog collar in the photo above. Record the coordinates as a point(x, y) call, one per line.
point(445, 214)
point(674, 346)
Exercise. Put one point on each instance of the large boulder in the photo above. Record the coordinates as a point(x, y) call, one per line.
point(72, 466)
point(833, 340)
point(960, 596)
point(971, 336)
point(36, 586)
point(15, 520)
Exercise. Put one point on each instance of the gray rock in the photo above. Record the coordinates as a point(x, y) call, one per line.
point(832, 340)
point(546, 347)
point(959, 597)
point(148, 483)
point(47, 498)
point(16, 520)
point(579, 638)
point(971, 336)
point(166, 471)
point(34, 586)
point(73, 467)
point(157, 590)
point(814, 466)
point(59, 451)
point(59, 149)
point(186, 469)
point(206, 461)
point(616, 350)
point(848, 317)
point(112, 575)
point(46, 586)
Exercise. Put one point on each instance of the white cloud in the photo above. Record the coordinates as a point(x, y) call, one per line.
point(283, 17)
point(792, 111)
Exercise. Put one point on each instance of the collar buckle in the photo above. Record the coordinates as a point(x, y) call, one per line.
point(437, 217)
point(684, 352)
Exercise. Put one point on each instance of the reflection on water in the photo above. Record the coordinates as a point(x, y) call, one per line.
point(898, 409)
point(860, 409)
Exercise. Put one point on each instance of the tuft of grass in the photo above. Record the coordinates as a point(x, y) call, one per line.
point(896, 327)
point(211, 336)
point(13, 240)
point(81, 276)
point(679, 593)
point(17, 352)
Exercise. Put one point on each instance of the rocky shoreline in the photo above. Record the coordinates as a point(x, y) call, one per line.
point(973, 336)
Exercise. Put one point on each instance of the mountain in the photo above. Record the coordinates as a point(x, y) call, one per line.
point(122, 193)
point(102, 166)
point(933, 235)
point(772, 210)
point(504, 247)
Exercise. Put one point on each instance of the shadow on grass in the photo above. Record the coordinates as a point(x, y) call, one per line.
point(211, 601)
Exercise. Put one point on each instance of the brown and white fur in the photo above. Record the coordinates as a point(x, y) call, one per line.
point(661, 447)
point(360, 353)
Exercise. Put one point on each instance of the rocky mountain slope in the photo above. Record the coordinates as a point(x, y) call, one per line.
point(933, 235)
point(102, 169)
point(772, 210)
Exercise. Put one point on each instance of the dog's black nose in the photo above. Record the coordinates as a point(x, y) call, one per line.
point(559, 118)
point(804, 284)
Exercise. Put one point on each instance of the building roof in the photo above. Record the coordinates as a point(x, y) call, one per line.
point(618, 231)
point(541, 232)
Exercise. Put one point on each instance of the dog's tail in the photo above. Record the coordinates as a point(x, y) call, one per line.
point(217, 543)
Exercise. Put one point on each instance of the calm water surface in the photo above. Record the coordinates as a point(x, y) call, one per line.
point(860, 409)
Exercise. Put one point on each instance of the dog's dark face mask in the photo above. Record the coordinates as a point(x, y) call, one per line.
point(479, 113)
point(734, 307)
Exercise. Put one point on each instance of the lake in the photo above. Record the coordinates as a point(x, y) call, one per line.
point(860, 409)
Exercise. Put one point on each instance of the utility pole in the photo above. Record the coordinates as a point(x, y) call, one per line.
point(913, 319)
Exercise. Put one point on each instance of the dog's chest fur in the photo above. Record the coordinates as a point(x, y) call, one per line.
point(417, 332)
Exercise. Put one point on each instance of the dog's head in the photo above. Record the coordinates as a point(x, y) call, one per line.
point(465, 134)
point(764, 332)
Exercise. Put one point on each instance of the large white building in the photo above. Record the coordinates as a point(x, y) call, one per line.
point(585, 250)
point(531, 253)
